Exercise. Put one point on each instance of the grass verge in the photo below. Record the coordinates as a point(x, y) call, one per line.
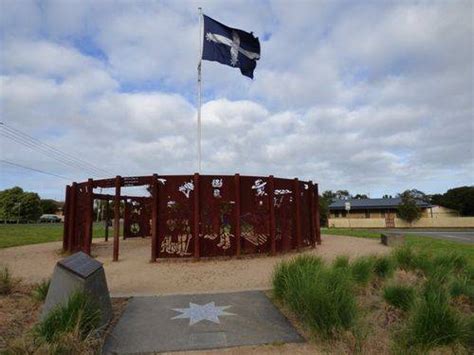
point(12, 235)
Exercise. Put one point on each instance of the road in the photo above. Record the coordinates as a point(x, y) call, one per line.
point(455, 235)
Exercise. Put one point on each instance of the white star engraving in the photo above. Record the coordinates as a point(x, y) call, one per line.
point(197, 313)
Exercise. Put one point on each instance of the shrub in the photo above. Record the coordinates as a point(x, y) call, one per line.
point(434, 322)
point(41, 290)
point(400, 296)
point(342, 261)
point(362, 270)
point(404, 257)
point(451, 261)
point(384, 266)
point(322, 297)
point(462, 286)
point(79, 314)
point(6, 282)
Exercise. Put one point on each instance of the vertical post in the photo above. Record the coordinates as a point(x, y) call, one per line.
point(297, 198)
point(118, 184)
point(271, 197)
point(199, 98)
point(316, 215)
point(311, 213)
point(237, 214)
point(66, 210)
point(154, 218)
point(89, 217)
point(196, 215)
point(106, 220)
point(72, 219)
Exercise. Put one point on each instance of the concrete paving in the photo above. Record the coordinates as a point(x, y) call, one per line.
point(196, 322)
point(455, 235)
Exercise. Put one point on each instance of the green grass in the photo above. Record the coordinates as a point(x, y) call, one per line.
point(423, 243)
point(384, 266)
point(12, 235)
point(321, 296)
point(6, 282)
point(362, 269)
point(434, 322)
point(80, 313)
point(41, 290)
point(400, 296)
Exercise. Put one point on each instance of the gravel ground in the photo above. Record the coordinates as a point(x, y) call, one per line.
point(134, 275)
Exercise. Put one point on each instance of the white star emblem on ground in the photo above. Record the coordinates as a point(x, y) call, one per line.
point(197, 313)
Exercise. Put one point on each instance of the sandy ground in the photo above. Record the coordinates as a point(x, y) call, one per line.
point(133, 274)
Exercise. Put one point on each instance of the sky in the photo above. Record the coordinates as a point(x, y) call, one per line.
point(375, 97)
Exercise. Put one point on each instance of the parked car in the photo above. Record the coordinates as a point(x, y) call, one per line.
point(50, 218)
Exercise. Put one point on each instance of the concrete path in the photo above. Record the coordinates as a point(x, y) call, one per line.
point(196, 322)
point(454, 235)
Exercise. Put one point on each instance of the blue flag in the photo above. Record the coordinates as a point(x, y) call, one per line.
point(230, 46)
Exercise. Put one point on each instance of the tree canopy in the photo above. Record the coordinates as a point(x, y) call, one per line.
point(19, 205)
point(460, 199)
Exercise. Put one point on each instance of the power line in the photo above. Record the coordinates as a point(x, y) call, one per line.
point(50, 151)
point(33, 169)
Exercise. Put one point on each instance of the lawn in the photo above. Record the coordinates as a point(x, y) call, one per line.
point(12, 235)
point(425, 243)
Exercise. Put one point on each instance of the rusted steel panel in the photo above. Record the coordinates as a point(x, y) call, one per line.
point(89, 217)
point(202, 215)
point(72, 219)
point(305, 213)
point(237, 214)
point(66, 209)
point(118, 184)
point(254, 215)
point(271, 193)
point(154, 218)
point(297, 211)
point(104, 183)
point(137, 217)
point(316, 214)
point(311, 213)
point(285, 236)
point(175, 216)
point(196, 216)
point(217, 196)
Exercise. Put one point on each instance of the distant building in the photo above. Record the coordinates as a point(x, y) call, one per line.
point(383, 208)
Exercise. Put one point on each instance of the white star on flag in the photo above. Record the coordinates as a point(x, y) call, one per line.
point(197, 313)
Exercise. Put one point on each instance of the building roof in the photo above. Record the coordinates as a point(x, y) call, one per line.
point(372, 203)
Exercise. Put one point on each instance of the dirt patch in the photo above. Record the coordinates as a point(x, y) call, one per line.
point(133, 274)
point(19, 312)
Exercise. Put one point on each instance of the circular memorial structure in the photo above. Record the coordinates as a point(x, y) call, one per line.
point(193, 216)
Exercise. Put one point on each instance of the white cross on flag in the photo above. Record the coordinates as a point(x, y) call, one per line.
point(230, 46)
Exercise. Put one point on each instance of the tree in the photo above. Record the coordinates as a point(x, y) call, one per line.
point(15, 204)
point(10, 198)
point(460, 199)
point(49, 206)
point(408, 210)
point(324, 203)
point(387, 196)
point(360, 196)
point(30, 206)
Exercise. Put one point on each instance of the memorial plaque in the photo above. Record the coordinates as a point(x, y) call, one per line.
point(79, 273)
point(80, 264)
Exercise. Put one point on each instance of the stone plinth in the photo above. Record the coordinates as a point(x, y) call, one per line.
point(392, 239)
point(76, 273)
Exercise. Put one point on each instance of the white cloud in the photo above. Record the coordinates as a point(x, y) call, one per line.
point(373, 97)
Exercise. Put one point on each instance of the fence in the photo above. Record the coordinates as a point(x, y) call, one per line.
point(200, 215)
point(425, 222)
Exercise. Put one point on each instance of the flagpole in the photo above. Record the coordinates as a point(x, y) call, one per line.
point(199, 91)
